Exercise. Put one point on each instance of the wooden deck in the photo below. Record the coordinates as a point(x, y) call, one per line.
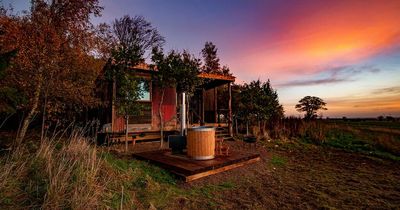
point(190, 169)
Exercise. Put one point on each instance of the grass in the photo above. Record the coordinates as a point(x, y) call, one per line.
point(155, 186)
point(73, 174)
point(150, 184)
point(278, 161)
point(363, 141)
point(377, 138)
point(52, 179)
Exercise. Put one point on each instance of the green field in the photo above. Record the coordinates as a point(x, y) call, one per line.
point(381, 138)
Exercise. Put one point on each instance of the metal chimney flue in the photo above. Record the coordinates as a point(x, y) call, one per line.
point(183, 114)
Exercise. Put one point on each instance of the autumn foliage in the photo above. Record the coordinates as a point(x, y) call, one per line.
point(56, 61)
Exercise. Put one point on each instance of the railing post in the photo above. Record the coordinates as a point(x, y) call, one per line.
point(183, 114)
point(230, 109)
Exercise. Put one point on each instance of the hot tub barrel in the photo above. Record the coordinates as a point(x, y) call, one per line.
point(201, 142)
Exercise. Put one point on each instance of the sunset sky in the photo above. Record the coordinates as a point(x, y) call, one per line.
point(346, 52)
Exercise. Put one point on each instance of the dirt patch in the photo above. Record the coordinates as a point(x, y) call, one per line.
point(306, 177)
point(294, 175)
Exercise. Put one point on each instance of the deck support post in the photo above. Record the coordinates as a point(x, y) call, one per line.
point(230, 109)
point(216, 118)
point(202, 107)
point(183, 114)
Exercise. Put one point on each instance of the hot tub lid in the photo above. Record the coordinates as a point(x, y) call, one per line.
point(202, 128)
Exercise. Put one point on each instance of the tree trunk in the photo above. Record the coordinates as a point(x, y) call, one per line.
point(264, 128)
point(126, 132)
point(160, 114)
point(43, 116)
point(236, 126)
point(32, 112)
point(247, 128)
point(5, 119)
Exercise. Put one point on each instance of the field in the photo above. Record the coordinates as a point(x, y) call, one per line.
point(350, 166)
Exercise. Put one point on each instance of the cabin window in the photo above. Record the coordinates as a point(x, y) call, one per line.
point(144, 86)
point(144, 116)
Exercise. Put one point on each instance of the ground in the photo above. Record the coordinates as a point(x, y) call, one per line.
point(333, 165)
point(294, 175)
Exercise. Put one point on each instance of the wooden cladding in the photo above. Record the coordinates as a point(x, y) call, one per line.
point(144, 116)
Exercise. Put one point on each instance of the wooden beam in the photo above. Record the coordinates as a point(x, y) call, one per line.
point(230, 110)
point(217, 76)
point(219, 170)
point(216, 118)
point(202, 107)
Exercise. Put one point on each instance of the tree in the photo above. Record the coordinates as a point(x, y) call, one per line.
point(211, 60)
point(10, 98)
point(54, 66)
point(187, 76)
point(259, 101)
point(133, 38)
point(226, 71)
point(269, 109)
point(164, 78)
point(177, 70)
point(310, 105)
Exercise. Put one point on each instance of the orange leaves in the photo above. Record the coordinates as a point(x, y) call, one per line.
point(53, 43)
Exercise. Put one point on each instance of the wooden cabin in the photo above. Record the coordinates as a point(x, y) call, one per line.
point(204, 108)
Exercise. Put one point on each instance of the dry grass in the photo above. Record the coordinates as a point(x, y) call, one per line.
point(73, 174)
point(67, 175)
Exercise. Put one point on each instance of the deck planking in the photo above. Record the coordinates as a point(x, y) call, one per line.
point(191, 169)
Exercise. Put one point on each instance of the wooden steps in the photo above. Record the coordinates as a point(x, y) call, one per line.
point(223, 132)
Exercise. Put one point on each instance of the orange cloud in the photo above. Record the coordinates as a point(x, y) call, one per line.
point(341, 33)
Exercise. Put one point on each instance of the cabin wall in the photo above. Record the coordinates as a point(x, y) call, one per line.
point(168, 108)
point(209, 106)
point(203, 107)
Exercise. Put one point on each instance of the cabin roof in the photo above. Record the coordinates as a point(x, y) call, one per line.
point(215, 79)
point(217, 76)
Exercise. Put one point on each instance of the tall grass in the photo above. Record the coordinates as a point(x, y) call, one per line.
point(71, 173)
point(56, 175)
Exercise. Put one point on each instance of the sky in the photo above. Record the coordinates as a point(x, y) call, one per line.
point(346, 52)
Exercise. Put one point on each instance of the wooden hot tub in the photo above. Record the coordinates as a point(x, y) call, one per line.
point(201, 142)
